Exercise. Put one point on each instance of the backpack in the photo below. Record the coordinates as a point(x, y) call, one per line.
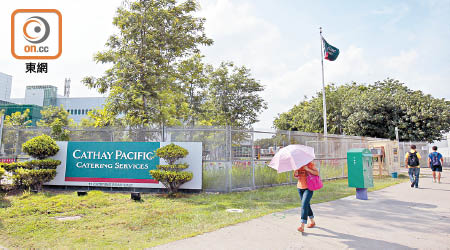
point(435, 162)
point(413, 160)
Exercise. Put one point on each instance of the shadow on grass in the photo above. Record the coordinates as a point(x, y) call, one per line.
point(4, 203)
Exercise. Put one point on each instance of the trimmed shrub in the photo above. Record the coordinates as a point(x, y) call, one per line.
point(10, 167)
point(33, 164)
point(5, 166)
point(33, 174)
point(42, 164)
point(171, 153)
point(40, 147)
point(34, 179)
point(172, 180)
point(174, 167)
point(170, 175)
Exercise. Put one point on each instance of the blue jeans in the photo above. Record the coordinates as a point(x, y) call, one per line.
point(414, 176)
point(305, 197)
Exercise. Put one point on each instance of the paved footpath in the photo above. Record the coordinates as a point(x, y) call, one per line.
point(398, 217)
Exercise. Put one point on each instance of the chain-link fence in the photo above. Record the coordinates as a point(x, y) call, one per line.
point(232, 159)
point(421, 147)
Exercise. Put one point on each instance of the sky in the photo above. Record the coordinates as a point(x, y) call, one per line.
point(278, 40)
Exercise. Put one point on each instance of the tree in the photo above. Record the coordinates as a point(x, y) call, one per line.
point(57, 119)
point(233, 97)
point(154, 37)
point(307, 116)
point(193, 81)
point(373, 110)
point(389, 104)
point(13, 122)
point(18, 119)
point(100, 118)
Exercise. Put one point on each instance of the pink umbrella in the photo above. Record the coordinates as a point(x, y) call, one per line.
point(292, 157)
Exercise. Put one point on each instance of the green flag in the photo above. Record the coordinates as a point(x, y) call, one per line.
point(331, 52)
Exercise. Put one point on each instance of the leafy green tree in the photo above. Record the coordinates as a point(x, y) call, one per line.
point(373, 110)
point(154, 37)
point(388, 104)
point(193, 81)
point(12, 134)
point(233, 97)
point(18, 119)
point(307, 116)
point(57, 119)
point(100, 118)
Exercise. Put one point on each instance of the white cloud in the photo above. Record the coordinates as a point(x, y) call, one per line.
point(402, 62)
point(240, 36)
point(383, 11)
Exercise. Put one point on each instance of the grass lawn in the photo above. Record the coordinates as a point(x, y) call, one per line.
point(112, 220)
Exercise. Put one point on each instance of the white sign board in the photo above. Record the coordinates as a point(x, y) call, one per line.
point(120, 164)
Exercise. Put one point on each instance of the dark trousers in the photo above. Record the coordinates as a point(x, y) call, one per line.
point(305, 197)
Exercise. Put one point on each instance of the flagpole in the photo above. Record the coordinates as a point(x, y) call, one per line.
point(324, 103)
point(325, 132)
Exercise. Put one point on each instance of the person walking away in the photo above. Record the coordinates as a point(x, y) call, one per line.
point(412, 159)
point(305, 194)
point(435, 162)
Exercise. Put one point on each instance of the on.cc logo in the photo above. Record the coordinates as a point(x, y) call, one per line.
point(40, 28)
point(36, 34)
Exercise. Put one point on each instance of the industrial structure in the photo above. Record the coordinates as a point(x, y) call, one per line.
point(46, 95)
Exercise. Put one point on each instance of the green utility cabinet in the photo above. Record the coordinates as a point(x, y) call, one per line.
point(359, 164)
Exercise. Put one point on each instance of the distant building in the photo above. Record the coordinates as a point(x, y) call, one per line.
point(46, 95)
point(34, 115)
point(41, 95)
point(5, 86)
point(78, 107)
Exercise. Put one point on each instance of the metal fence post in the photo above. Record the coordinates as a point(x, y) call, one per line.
point(289, 143)
point(289, 137)
point(229, 149)
point(253, 159)
point(17, 148)
point(1, 133)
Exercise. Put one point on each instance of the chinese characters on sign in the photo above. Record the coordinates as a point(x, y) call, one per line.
point(36, 67)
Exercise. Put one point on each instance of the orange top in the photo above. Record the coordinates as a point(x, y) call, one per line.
point(300, 174)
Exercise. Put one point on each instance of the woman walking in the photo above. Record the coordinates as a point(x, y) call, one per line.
point(305, 194)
